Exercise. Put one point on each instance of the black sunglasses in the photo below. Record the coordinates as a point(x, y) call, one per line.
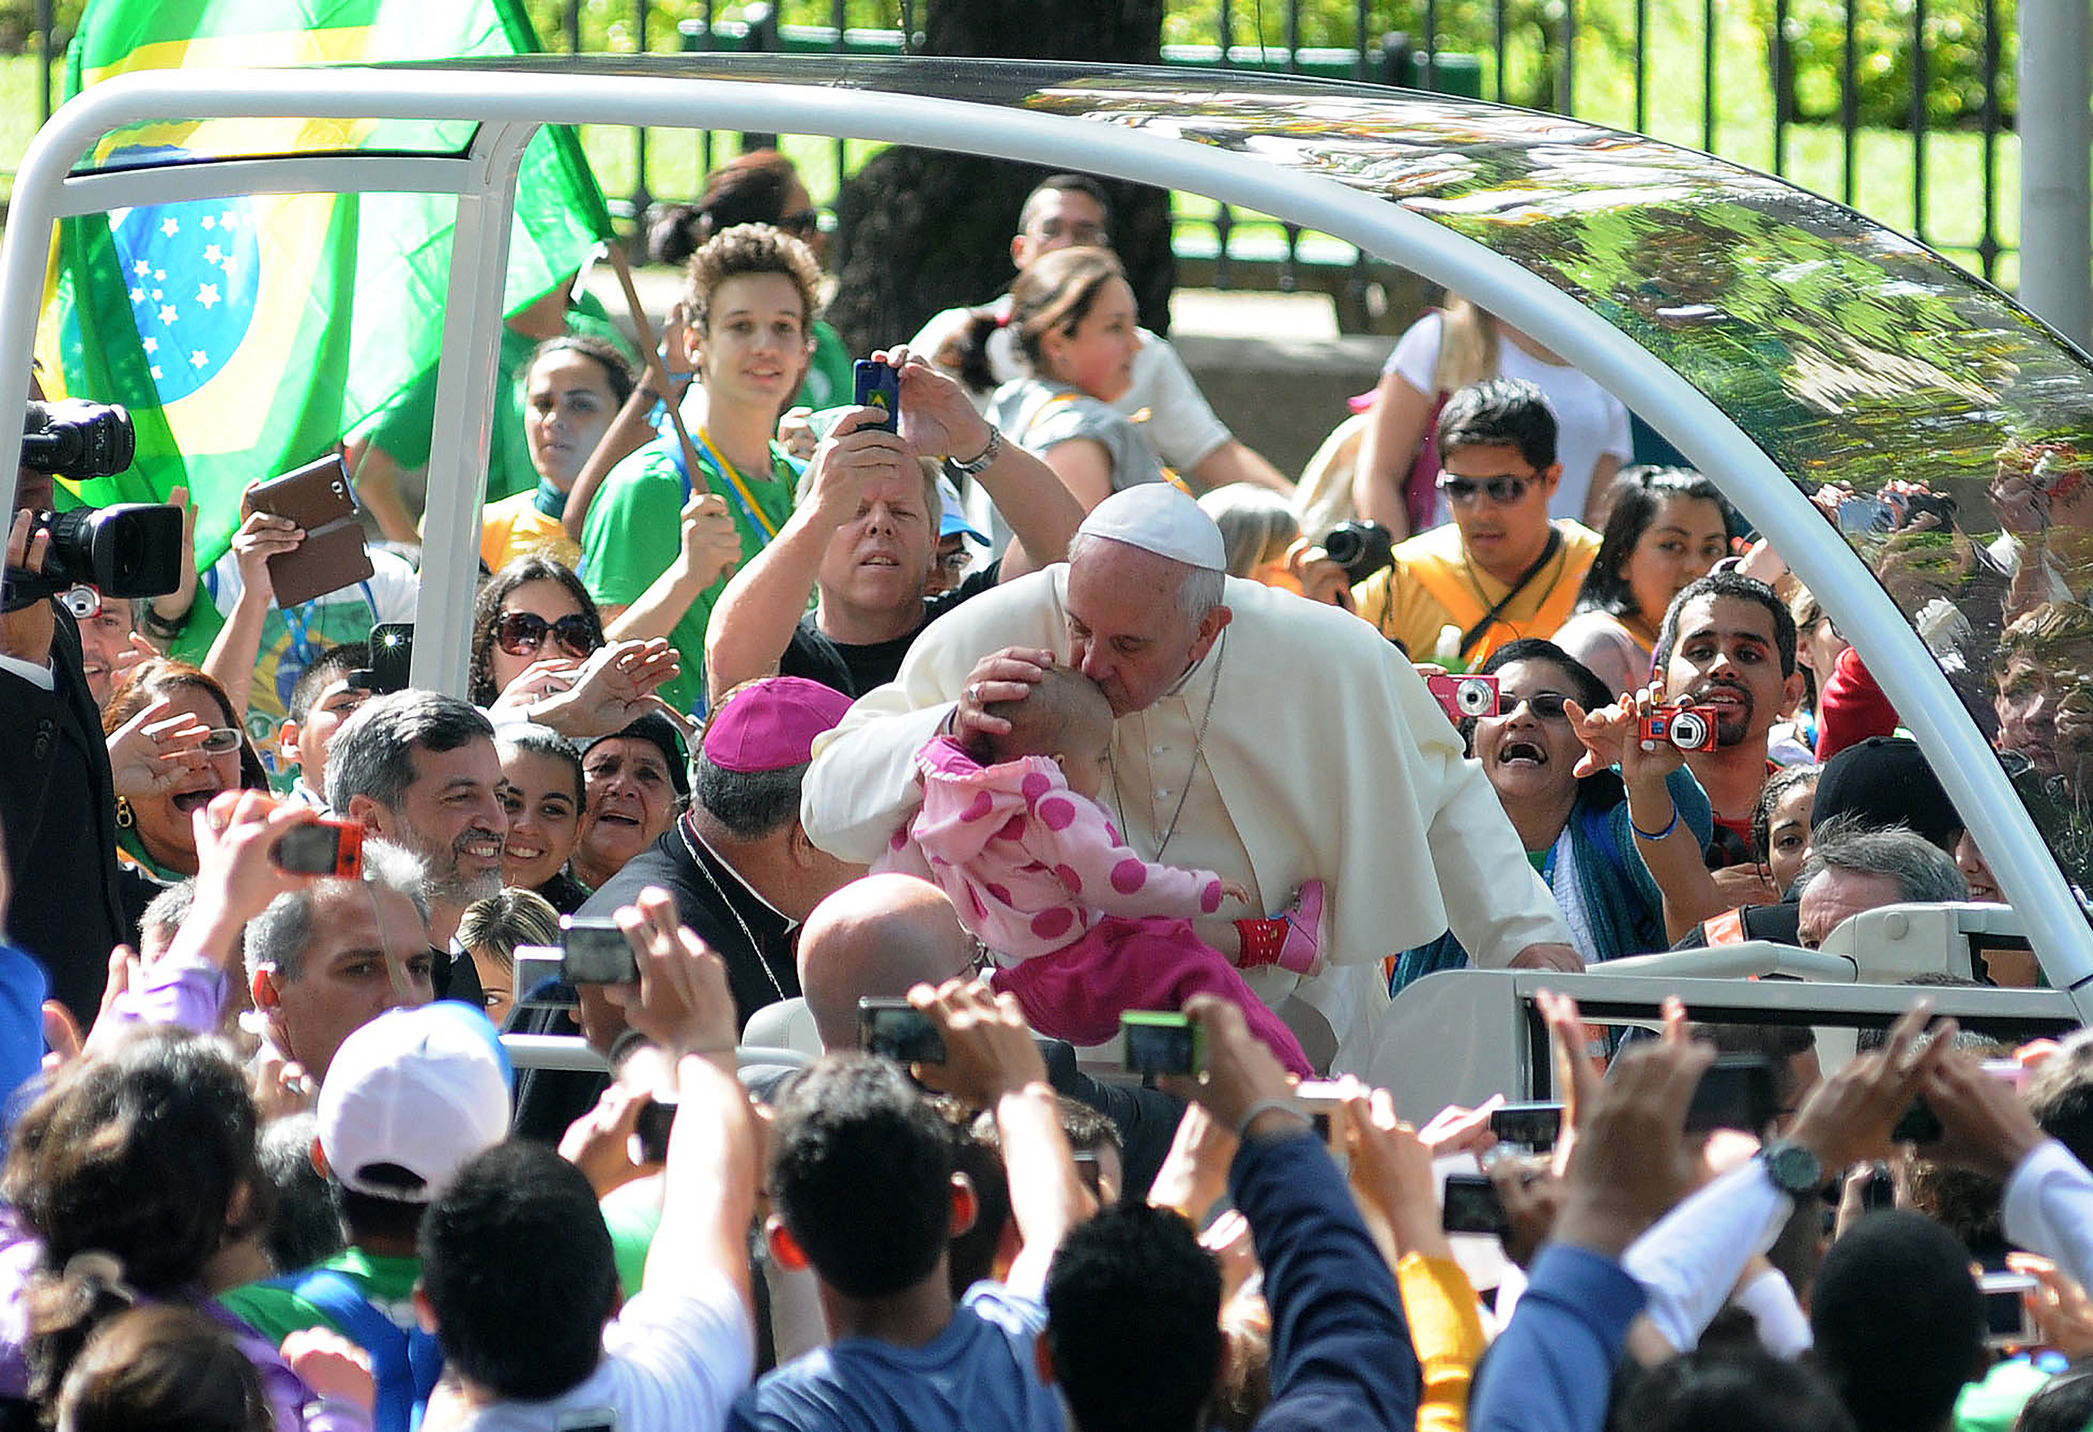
point(524, 633)
point(1503, 491)
point(1547, 705)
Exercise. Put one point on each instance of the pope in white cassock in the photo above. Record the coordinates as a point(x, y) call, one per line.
point(1259, 735)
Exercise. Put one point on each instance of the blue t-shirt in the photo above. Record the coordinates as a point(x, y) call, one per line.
point(979, 1372)
point(23, 988)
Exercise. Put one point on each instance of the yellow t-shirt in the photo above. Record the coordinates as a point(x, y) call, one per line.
point(1431, 584)
point(514, 527)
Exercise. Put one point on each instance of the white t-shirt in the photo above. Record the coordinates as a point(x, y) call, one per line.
point(1589, 421)
point(1180, 425)
point(674, 1362)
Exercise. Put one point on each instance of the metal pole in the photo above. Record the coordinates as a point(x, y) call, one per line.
point(45, 21)
point(2056, 139)
point(1918, 120)
point(641, 199)
point(1988, 242)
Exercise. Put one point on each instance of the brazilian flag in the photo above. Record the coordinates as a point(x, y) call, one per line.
point(248, 335)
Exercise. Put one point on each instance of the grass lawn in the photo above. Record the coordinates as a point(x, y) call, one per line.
point(1883, 169)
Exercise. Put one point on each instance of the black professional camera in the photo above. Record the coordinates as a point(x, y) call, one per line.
point(1361, 548)
point(78, 439)
point(131, 549)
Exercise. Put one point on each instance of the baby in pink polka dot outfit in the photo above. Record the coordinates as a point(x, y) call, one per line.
point(1084, 927)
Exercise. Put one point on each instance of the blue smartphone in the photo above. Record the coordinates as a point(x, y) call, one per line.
point(878, 386)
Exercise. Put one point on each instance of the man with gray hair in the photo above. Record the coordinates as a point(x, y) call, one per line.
point(1853, 867)
point(1272, 740)
point(420, 769)
point(328, 958)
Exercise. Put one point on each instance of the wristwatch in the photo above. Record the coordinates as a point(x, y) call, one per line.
point(956, 468)
point(1794, 1169)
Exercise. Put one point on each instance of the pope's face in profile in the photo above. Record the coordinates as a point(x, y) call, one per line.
point(1128, 628)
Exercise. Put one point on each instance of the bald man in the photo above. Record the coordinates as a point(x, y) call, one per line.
point(880, 936)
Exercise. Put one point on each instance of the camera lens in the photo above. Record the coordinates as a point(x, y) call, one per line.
point(1689, 731)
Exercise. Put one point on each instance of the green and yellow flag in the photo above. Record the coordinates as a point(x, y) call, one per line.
point(248, 335)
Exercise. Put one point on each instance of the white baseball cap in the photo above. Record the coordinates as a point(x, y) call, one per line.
point(423, 1090)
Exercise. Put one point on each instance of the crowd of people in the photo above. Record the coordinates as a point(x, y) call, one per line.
point(983, 712)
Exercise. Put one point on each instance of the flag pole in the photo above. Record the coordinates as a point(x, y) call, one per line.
point(650, 346)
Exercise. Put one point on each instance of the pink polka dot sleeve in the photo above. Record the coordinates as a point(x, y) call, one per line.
point(1073, 837)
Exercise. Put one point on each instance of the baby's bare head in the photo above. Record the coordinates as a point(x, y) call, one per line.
point(1065, 716)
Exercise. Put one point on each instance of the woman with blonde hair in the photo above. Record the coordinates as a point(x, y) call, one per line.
point(1447, 350)
point(1263, 542)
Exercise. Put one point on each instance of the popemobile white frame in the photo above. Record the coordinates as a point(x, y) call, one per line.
point(509, 107)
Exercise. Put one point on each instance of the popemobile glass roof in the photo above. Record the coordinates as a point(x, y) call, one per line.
point(1845, 352)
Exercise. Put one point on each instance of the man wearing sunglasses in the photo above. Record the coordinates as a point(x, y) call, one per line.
point(1500, 570)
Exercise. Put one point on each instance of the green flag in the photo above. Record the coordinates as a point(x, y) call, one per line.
point(247, 335)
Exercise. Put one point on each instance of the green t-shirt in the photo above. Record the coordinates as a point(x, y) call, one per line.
point(276, 1313)
point(403, 429)
point(829, 383)
point(1993, 1402)
point(632, 1213)
point(635, 530)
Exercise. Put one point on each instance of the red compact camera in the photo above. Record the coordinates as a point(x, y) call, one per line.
point(327, 847)
point(1690, 728)
point(1464, 696)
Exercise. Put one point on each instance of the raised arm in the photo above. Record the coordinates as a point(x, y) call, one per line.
point(1072, 837)
point(709, 545)
point(683, 1003)
point(753, 620)
point(1390, 443)
point(939, 421)
point(1341, 1351)
point(992, 1062)
point(1668, 844)
point(236, 650)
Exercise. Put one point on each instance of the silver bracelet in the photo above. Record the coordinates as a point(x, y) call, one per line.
point(1266, 1106)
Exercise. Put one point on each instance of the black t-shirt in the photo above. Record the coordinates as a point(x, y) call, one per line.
point(855, 670)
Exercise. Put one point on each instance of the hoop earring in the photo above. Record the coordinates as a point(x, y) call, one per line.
point(124, 818)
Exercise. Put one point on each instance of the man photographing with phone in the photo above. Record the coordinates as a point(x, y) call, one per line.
point(864, 536)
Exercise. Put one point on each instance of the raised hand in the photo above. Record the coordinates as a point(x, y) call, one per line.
point(154, 752)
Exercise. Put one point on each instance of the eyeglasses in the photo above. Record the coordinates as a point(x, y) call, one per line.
point(524, 633)
point(1503, 491)
point(804, 224)
point(1545, 705)
point(220, 740)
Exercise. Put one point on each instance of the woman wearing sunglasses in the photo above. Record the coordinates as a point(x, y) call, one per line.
point(538, 649)
point(532, 611)
point(174, 742)
point(1576, 830)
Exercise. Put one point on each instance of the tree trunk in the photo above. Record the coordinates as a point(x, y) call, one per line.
point(919, 230)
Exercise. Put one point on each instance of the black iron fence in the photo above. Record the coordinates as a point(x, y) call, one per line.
point(1900, 108)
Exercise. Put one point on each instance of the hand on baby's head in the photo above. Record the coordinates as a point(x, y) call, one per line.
point(1066, 717)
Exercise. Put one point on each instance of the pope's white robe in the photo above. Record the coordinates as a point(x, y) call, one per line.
point(1326, 758)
